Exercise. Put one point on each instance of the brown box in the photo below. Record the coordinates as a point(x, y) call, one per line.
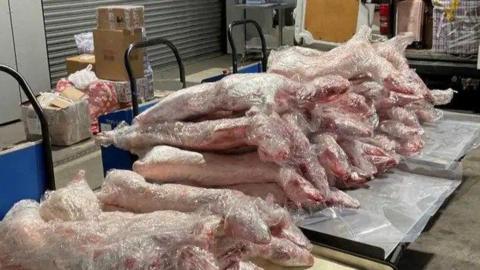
point(79, 62)
point(68, 120)
point(120, 17)
point(110, 47)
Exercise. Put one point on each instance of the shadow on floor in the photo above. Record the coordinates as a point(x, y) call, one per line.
point(413, 260)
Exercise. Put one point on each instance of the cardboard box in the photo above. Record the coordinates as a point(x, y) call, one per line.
point(110, 47)
point(79, 62)
point(68, 122)
point(120, 17)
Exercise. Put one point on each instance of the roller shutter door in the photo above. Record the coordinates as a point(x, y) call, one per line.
point(195, 27)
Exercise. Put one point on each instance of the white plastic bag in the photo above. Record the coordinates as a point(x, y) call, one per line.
point(83, 78)
point(84, 42)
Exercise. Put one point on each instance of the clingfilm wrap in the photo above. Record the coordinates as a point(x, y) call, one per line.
point(159, 240)
point(387, 217)
point(165, 164)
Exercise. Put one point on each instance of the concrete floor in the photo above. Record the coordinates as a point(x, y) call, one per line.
point(452, 241)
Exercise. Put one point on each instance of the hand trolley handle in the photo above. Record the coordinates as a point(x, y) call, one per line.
point(234, 49)
point(47, 147)
point(144, 44)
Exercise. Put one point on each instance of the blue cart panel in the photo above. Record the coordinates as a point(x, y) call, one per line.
point(23, 175)
point(112, 157)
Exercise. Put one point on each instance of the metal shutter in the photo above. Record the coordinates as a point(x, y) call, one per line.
point(195, 27)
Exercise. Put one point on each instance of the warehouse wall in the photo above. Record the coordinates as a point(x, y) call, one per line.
point(195, 27)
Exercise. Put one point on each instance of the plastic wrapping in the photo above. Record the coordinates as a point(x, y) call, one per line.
point(83, 78)
point(72, 203)
point(394, 50)
point(382, 141)
point(399, 130)
point(242, 92)
point(278, 140)
point(455, 27)
point(77, 235)
point(352, 103)
point(169, 164)
point(442, 97)
point(332, 157)
point(238, 92)
point(425, 112)
point(244, 217)
point(403, 116)
point(302, 155)
point(447, 142)
point(395, 209)
point(364, 167)
point(409, 146)
point(267, 191)
point(207, 135)
point(332, 120)
point(159, 240)
point(84, 43)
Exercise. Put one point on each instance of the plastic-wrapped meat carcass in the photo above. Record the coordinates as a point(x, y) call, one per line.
point(333, 120)
point(335, 161)
point(353, 59)
point(240, 93)
point(403, 116)
point(278, 140)
point(394, 50)
point(123, 240)
point(168, 164)
point(159, 240)
point(245, 217)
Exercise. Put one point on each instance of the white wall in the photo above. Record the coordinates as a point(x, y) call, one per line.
point(22, 43)
point(9, 95)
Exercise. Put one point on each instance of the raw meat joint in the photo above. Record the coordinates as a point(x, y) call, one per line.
point(222, 165)
point(315, 123)
point(210, 229)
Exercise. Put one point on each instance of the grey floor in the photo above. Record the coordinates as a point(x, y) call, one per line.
point(452, 240)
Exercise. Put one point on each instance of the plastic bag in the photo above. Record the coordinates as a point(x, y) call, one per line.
point(84, 42)
point(83, 78)
point(73, 202)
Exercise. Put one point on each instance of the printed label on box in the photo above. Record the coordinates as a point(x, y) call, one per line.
point(33, 124)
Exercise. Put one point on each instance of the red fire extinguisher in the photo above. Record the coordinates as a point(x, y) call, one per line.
point(384, 12)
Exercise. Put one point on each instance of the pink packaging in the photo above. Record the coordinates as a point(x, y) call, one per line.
point(410, 15)
point(102, 99)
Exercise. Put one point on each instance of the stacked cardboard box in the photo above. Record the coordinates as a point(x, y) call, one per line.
point(117, 28)
point(79, 62)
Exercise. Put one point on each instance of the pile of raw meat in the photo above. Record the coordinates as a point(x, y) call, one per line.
point(131, 224)
point(217, 160)
point(315, 123)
